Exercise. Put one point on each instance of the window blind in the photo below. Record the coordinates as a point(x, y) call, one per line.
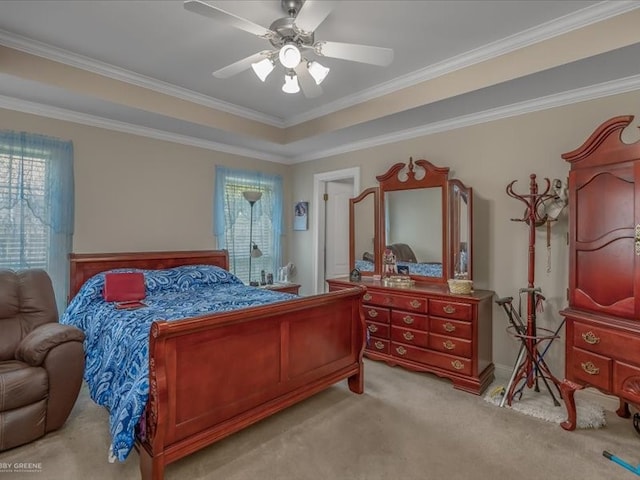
point(24, 238)
point(238, 230)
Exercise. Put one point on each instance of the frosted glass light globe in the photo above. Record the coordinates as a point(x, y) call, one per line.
point(289, 56)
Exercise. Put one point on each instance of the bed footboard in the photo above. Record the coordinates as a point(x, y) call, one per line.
point(212, 376)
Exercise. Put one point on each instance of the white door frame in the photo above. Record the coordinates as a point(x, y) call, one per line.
point(319, 180)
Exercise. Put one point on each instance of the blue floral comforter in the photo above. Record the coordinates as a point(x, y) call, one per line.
point(117, 341)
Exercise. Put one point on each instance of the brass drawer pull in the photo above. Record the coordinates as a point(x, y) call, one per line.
point(449, 345)
point(379, 345)
point(373, 328)
point(457, 364)
point(449, 309)
point(415, 303)
point(401, 350)
point(408, 335)
point(367, 297)
point(590, 338)
point(590, 368)
point(408, 319)
point(449, 327)
point(373, 313)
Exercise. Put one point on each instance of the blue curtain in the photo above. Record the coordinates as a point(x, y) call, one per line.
point(229, 206)
point(37, 195)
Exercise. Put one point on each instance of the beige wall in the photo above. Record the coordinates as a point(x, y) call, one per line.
point(487, 157)
point(134, 193)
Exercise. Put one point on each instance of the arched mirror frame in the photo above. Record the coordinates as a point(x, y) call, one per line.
point(353, 203)
point(454, 217)
point(394, 180)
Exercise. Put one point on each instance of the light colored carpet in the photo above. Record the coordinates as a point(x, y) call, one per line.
point(540, 405)
point(406, 425)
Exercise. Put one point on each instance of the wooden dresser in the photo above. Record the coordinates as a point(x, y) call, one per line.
point(426, 328)
point(603, 316)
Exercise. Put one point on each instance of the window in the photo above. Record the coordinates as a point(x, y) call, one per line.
point(233, 223)
point(36, 205)
point(24, 239)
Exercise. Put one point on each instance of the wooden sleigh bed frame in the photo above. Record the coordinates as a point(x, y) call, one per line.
point(216, 374)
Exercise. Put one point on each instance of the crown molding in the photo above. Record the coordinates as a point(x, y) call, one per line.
point(587, 16)
point(583, 94)
point(48, 111)
point(582, 18)
point(49, 52)
point(605, 89)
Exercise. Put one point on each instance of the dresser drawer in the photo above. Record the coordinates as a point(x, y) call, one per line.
point(378, 329)
point(609, 342)
point(410, 320)
point(452, 345)
point(409, 336)
point(590, 368)
point(441, 360)
point(626, 382)
point(405, 302)
point(454, 328)
point(376, 314)
point(378, 345)
point(447, 309)
point(410, 303)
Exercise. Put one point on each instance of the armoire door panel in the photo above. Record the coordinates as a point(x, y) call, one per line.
point(604, 266)
point(606, 275)
point(625, 308)
point(604, 205)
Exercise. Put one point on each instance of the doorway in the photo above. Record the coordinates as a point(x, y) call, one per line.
point(331, 223)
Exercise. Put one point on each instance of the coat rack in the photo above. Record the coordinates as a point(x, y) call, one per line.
point(530, 364)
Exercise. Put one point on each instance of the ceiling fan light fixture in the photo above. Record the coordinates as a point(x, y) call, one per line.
point(289, 37)
point(318, 71)
point(291, 84)
point(290, 55)
point(263, 68)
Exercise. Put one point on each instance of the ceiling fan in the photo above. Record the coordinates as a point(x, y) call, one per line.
point(292, 38)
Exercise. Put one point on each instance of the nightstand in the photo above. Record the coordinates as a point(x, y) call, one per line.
point(283, 287)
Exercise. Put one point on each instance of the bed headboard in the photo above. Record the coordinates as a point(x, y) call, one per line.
point(83, 266)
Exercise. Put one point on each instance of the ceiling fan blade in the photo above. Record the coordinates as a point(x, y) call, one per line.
point(240, 65)
point(312, 13)
point(202, 8)
point(357, 53)
point(309, 87)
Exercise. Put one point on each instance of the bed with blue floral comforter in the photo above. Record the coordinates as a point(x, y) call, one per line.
point(117, 341)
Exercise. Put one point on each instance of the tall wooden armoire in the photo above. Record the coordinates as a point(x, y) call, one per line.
point(603, 316)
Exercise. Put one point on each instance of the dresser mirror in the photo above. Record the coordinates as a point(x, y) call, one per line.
point(461, 214)
point(419, 214)
point(363, 232)
point(413, 229)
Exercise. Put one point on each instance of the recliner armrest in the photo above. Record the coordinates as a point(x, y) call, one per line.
point(34, 348)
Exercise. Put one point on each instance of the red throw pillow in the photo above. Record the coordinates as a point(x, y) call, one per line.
point(124, 287)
